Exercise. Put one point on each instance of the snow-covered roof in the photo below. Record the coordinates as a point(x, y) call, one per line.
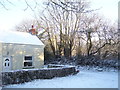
point(19, 38)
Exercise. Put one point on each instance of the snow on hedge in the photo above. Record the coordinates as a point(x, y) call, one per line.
point(84, 79)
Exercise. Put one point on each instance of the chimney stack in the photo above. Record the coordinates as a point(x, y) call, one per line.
point(33, 31)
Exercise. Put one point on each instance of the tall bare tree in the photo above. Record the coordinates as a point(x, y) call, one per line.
point(64, 16)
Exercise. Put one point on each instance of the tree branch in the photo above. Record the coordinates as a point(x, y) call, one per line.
point(100, 48)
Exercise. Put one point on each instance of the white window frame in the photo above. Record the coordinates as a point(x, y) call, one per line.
point(28, 61)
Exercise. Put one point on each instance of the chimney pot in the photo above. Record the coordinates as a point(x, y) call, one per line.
point(33, 31)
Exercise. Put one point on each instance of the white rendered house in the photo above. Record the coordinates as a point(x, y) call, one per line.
point(20, 50)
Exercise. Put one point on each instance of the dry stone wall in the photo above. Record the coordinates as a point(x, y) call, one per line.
point(22, 76)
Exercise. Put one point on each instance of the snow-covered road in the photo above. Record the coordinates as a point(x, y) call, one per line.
point(84, 79)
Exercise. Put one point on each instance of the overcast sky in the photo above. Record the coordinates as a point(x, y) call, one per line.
point(15, 13)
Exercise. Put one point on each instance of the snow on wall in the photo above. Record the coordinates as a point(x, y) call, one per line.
point(85, 80)
point(22, 76)
point(19, 38)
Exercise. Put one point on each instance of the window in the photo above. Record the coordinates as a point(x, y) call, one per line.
point(8, 64)
point(28, 57)
point(5, 64)
point(28, 61)
point(26, 64)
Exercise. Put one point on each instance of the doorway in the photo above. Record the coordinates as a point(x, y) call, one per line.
point(7, 63)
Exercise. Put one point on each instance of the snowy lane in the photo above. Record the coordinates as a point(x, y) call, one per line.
point(84, 79)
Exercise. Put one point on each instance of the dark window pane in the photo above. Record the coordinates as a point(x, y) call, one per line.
point(27, 64)
point(8, 64)
point(5, 64)
point(28, 58)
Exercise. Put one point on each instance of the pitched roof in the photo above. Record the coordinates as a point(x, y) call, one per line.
point(19, 38)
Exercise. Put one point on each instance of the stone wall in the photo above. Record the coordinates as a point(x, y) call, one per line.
point(22, 76)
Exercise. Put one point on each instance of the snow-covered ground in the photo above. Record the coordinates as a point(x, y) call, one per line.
point(84, 79)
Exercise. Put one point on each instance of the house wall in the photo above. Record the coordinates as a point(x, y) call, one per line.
point(19, 51)
point(0, 57)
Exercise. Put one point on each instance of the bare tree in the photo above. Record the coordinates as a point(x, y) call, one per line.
point(24, 26)
point(4, 2)
point(35, 4)
point(65, 16)
point(67, 26)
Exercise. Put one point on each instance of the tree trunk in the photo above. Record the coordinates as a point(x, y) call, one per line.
point(89, 44)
